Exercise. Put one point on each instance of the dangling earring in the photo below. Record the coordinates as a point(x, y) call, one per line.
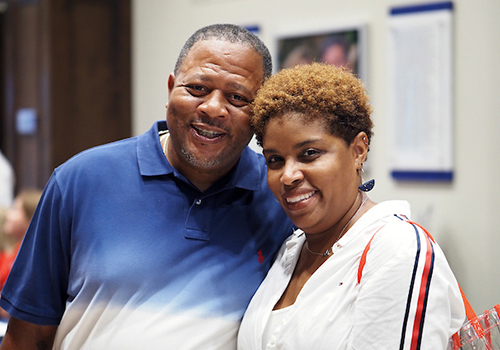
point(368, 185)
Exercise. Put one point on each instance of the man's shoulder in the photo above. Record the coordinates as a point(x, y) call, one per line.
point(100, 161)
point(116, 149)
point(119, 151)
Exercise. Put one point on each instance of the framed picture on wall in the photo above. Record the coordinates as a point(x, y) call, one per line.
point(341, 46)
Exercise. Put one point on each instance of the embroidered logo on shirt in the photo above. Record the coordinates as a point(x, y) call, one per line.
point(261, 256)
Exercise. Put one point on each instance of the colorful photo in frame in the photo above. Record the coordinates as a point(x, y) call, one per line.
point(343, 46)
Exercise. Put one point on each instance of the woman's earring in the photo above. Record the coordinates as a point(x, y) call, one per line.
point(368, 185)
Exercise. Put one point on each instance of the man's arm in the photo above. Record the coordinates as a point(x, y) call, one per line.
point(28, 336)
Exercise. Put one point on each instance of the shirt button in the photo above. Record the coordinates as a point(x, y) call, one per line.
point(198, 202)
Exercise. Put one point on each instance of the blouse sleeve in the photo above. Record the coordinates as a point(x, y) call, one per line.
point(408, 296)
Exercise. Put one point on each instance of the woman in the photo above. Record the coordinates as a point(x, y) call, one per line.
point(16, 223)
point(314, 124)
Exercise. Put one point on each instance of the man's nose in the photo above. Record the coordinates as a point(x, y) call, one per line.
point(215, 105)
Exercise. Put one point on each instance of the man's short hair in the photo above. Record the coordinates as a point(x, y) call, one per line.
point(231, 33)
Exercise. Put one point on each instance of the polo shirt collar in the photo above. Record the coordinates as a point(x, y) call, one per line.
point(247, 172)
point(150, 156)
point(152, 161)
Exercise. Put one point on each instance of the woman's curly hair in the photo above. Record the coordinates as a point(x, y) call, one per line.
point(315, 91)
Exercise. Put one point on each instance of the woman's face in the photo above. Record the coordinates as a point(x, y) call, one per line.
point(312, 173)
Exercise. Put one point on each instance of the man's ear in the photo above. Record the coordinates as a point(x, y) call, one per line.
point(170, 83)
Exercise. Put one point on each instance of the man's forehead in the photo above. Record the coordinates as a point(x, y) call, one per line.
point(219, 45)
point(214, 54)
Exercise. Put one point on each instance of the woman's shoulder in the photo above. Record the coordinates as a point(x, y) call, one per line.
point(391, 227)
point(400, 238)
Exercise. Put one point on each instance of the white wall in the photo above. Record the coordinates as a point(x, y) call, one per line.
point(463, 215)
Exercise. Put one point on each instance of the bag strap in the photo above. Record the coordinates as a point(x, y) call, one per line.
point(469, 311)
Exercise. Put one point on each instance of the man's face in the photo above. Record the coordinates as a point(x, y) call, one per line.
point(209, 106)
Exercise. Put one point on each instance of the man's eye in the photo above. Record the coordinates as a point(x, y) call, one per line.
point(196, 90)
point(237, 100)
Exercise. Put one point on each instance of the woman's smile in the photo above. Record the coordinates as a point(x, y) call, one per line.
point(299, 198)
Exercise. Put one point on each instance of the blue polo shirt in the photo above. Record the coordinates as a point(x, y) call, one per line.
point(124, 252)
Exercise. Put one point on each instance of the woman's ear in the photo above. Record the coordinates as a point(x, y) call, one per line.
point(360, 147)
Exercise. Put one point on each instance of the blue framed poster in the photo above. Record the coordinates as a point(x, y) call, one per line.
point(421, 92)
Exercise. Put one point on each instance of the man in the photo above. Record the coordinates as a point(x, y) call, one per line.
point(158, 241)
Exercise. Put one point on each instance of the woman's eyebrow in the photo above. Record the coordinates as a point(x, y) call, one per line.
point(297, 146)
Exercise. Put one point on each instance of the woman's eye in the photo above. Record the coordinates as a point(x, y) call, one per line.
point(310, 153)
point(273, 161)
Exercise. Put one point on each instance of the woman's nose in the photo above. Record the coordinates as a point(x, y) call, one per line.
point(292, 174)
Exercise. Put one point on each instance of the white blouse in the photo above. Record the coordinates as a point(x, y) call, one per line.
point(407, 295)
point(275, 320)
